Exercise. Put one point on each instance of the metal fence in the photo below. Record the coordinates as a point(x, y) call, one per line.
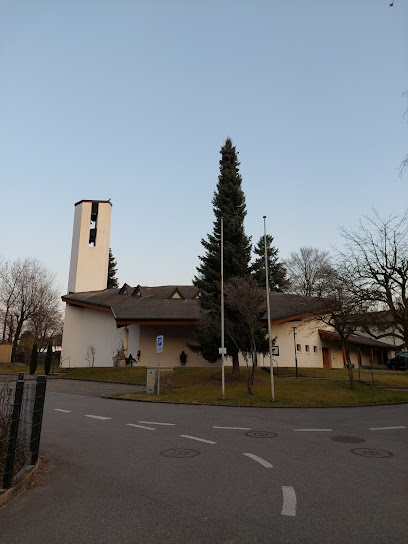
point(21, 411)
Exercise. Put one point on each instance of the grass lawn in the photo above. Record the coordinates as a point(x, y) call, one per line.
point(127, 374)
point(15, 368)
point(390, 378)
point(203, 386)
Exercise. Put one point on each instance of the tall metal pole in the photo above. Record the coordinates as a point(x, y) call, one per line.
point(222, 310)
point(268, 303)
point(294, 341)
point(158, 374)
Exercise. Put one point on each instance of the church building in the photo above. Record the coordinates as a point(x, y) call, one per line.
point(102, 324)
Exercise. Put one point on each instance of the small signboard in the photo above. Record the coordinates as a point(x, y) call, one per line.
point(222, 351)
point(159, 344)
point(275, 350)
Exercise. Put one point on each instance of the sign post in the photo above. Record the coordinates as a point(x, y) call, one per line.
point(159, 349)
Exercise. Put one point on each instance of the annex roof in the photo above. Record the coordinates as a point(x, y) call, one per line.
point(356, 339)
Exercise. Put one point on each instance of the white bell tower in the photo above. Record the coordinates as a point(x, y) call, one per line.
point(88, 270)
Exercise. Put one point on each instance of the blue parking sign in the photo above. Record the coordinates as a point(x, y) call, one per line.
point(159, 344)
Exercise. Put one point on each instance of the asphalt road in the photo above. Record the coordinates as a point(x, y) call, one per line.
point(109, 479)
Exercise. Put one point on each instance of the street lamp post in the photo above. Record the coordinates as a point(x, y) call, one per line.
point(294, 340)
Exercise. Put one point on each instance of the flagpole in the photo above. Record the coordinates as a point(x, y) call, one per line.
point(222, 310)
point(268, 304)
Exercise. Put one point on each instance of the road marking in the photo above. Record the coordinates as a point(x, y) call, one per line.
point(61, 410)
point(98, 417)
point(258, 460)
point(234, 428)
point(156, 423)
point(199, 439)
point(289, 501)
point(387, 428)
point(312, 430)
point(140, 426)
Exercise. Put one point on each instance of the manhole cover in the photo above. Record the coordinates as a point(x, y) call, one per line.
point(365, 452)
point(348, 439)
point(179, 453)
point(261, 434)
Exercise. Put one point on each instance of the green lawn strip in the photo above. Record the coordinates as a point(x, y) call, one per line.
point(289, 392)
point(390, 378)
point(15, 368)
point(128, 374)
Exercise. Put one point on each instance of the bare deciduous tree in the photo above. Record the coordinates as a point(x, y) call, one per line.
point(376, 255)
point(90, 356)
point(27, 296)
point(345, 312)
point(404, 162)
point(307, 270)
point(247, 300)
point(10, 276)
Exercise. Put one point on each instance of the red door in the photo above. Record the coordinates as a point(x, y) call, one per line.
point(326, 358)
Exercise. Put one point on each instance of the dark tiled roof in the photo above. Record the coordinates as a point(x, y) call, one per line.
point(286, 306)
point(156, 303)
point(356, 339)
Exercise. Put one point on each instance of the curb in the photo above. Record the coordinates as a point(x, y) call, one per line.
point(25, 477)
point(262, 407)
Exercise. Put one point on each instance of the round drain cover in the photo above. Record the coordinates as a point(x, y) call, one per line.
point(179, 453)
point(348, 439)
point(367, 452)
point(261, 434)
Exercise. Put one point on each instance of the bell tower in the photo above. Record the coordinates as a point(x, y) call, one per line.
point(88, 269)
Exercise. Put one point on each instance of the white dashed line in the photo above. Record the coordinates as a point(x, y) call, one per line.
point(140, 426)
point(98, 417)
point(198, 439)
point(258, 460)
point(387, 428)
point(61, 410)
point(234, 428)
point(312, 430)
point(156, 423)
point(289, 501)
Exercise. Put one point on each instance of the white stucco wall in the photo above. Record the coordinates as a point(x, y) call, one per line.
point(306, 335)
point(84, 327)
point(175, 338)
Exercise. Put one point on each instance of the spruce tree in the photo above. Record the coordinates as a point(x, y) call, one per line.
point(33, 359)
point(277, 272)
point(229, 203)
point(112, 282)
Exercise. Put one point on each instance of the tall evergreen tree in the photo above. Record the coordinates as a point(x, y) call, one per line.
point(277, 272)
point(112, 271)
point(229, 203)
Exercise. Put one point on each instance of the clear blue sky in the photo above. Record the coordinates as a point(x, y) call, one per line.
point(132, 100)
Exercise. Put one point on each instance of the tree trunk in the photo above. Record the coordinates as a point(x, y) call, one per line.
point(252, 373)
point(235, 366)
point(349, 365)
point(16, 338)
point(5, 324)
